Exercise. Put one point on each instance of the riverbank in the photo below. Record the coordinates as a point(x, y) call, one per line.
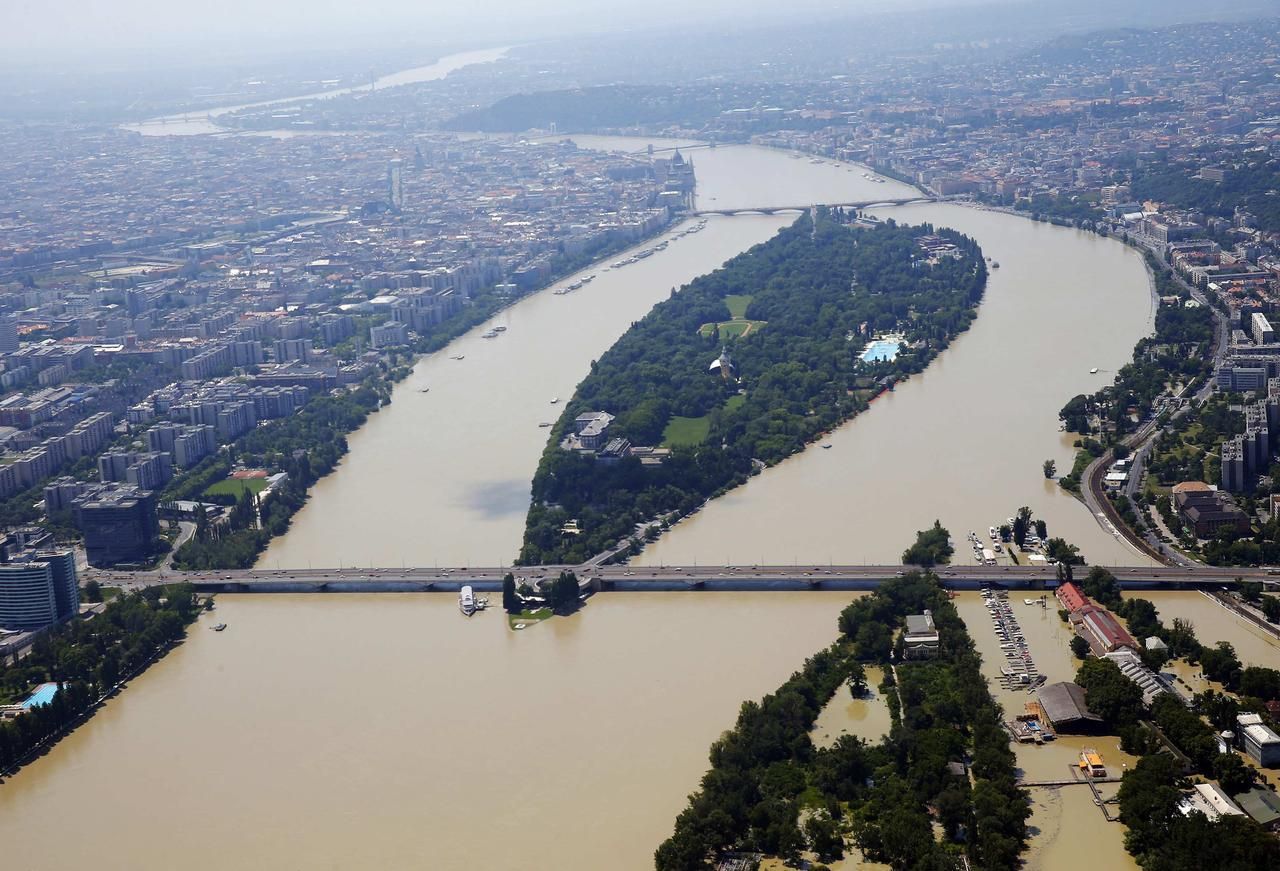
point(90, 661)
point(339, 417)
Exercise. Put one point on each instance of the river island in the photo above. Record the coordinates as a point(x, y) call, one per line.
point(741, 369)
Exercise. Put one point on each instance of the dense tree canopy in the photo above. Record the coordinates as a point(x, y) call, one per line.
point(932, 547)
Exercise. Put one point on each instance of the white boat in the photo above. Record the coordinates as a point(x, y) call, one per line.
point(555, 399)
point(500, 329)
point(466, 601)
point(489, 334)
point(1093, 371)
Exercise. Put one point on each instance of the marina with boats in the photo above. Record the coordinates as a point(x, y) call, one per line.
point(1019, 669)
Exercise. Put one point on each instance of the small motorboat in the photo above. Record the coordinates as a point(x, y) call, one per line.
point(219, 627)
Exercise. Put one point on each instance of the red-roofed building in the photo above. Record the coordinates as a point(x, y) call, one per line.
point(1102, 630)
point(1072, 597)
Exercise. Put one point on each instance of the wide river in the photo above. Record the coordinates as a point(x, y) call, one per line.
point(202, 122)
point(442, 478)
point(387, 731)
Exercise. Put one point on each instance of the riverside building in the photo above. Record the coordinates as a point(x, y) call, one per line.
point(38, 589)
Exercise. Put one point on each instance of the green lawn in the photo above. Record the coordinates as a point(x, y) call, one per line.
point(694, 430)
point(732, 329)
point(686, 431)
point(737, 304)
point(528, 618)
point(235, 486)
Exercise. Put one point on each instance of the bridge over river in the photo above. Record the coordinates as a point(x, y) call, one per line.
point(799, 577)
point(863, 204)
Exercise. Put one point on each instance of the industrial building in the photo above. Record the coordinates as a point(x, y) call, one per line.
point(1066, 707)
point(1258, 741)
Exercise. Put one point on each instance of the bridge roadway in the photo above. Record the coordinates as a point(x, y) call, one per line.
point(864, 204)
point(803, 576)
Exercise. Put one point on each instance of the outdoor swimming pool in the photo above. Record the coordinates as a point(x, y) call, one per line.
point(881, 351)
point(42, 696)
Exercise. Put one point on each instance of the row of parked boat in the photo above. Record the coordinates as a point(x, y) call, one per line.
point(576, 285)
point(661, 246)
point(984, 554)
point(1019, 669)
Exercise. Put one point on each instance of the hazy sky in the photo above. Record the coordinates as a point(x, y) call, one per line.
point(52, 32)
point(49, 34)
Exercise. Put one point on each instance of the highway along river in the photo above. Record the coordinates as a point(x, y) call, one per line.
point(389, 731)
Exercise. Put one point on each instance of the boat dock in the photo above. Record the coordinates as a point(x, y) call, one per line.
point(1019, 669)
point(1080, 777)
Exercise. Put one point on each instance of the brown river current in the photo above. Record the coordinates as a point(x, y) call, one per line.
point(389, 732)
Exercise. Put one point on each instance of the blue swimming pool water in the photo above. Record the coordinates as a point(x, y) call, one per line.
point(881, 350)
point(42, 696)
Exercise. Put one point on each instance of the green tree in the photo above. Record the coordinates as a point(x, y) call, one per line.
point(1271, 608)
point(1021, 525)
point(510, 600)
point(1220, 663)
point(1079, 647)
point(1110, 694)
point(857, 680)
point(932, 547)
point(1232, 774)
point(93, 591)
point(564, 592)
point(1050, 468)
